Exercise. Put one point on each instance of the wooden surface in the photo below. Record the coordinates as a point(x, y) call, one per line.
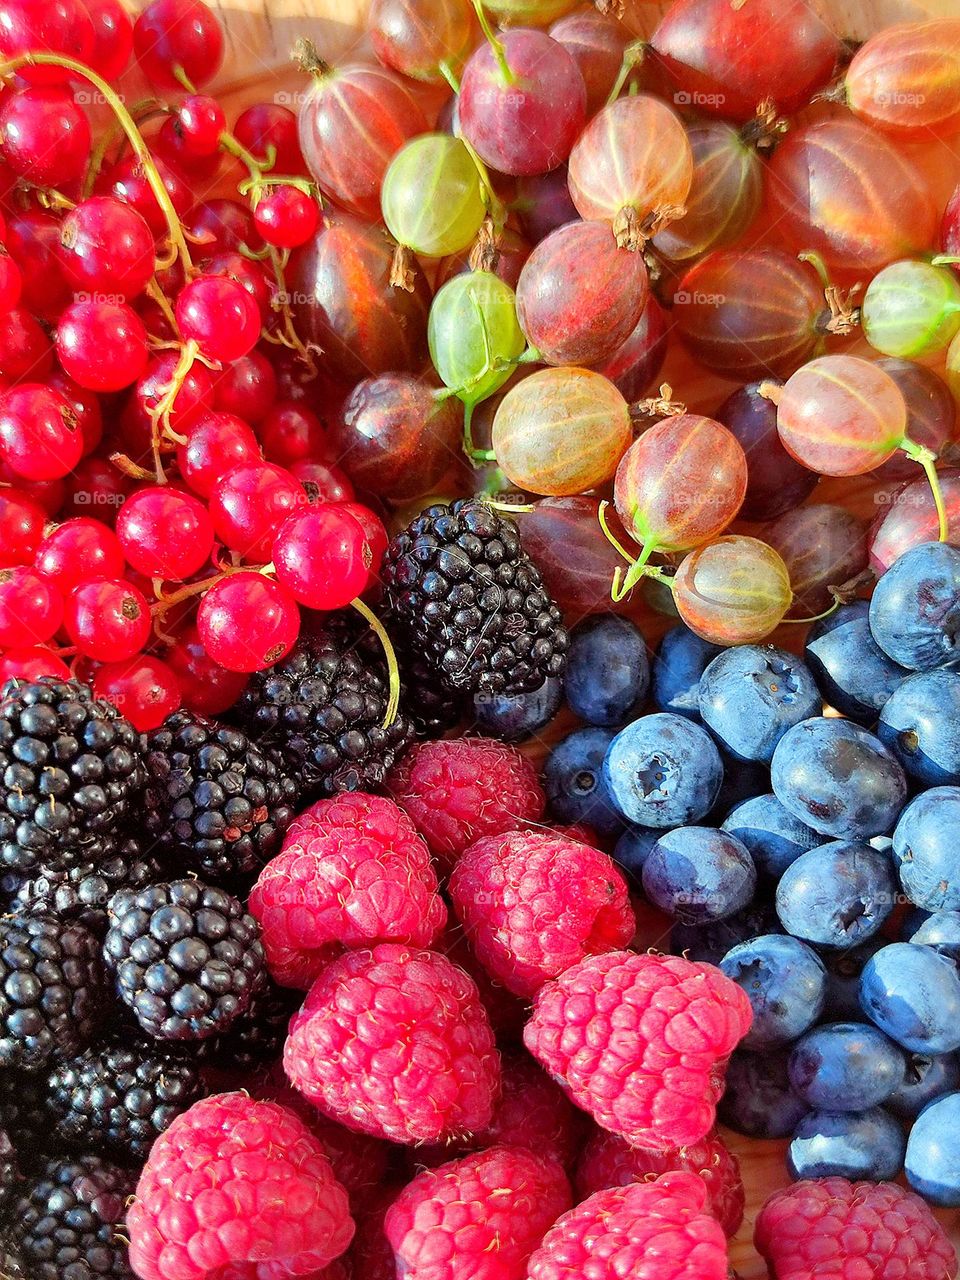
point(260, 35)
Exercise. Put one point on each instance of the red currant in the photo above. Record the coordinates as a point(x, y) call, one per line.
point(108, 620)
point(219, 315)
point(25, 350)
point(268, 125)
point(112, 37)
point(31, 608)
point(143, 688)
point(206, 687)
point(247, 388)
point(169, 142)
point(78, 551)
point(201, 122)
point(54, 26)
point(102, 345)
point(95, 485)
point(40, 438)
point(286, 216)
point(165, 533)
point(46, 136)
point(374, 531)
point(248, 622)
point(291, 432)
point(234, 266)
point(21, 527)
point(216, 444)
point(47, 494)
point(249, 504)
point(107, 247)
point(84, 404)
point(172, 36)
point(322, 481)
point(33, 242)
point(221, 226)
point(128, 183)
point(323, 557)
point(32, 664)
point(194, 397)
point(11, 282)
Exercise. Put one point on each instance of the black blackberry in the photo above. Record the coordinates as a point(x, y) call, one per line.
point(26, 1116)
point(214, 797)
point(9, 1172)
point(472, 602)
point(186, 957)
point(69, 1222)
point(71, 772)
point(323, 708)
point(257, 1036)
point(432, 707)
point(121, 1097)
point(53, 992)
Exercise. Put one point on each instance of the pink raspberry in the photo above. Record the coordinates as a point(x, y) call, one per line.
point(854, 1231)
point(395, 1042)
point(478, 1218)
point(532, 904)
point(355, 873)
point(608, 1161)
point(232, 1183)
point(657, 1229)
point(640, 1042)
point(459, 790)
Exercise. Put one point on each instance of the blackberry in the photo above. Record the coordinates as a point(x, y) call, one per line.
point(215, 798)
point(69, 1222)
point(186, 958)
point(71, 771)
point(9, 1171)
point(52, 990)
point(25, 1116)
point(470, 600)
point(433, 708)
point(323, 707)
point(121, 1097)
point(257, 1036)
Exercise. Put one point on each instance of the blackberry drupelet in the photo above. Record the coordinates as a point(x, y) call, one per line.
point(186, 958)
point(258, 1034)
point(53, 992)
point(432, 707)
point(70, 1221)
point(71, 772)
point(214, 798)
point(121, 1097)
point(472, 602)
point(322, 709)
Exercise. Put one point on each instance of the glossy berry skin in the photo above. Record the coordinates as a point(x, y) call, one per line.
point(247, 622)
point(216, 444)
point(634, 365)
point(931, 1152)
point(201, 122)
point(608, 671)
point(194, 398)
point(924, 852)
point(220, 316)
point(165, 533)
point(78, 551)
point(677, 669)
point(88, 329)
point(63, 27)
point(859, 1144)
point(108, 620)
point(112, 37)
point(11, 282)
point(927, 1077)
point(663, 771)
point(920, 723)
point(30, 608)
point(144, 689)
point(845, 1066)
point(931, 413)
point(286, 216)
point(269, 124)
point(749, 696)
point(247, 388)
point(905, 80)
point(837, 895)
point(25, 350)
point(40, 438)
point(206, 687)
point(913, 994)
point(322, 556)
point(249, 503)
point(178, 33)
point(824, 547)
point(771, 834)
point(106, 247)
point(911, 518)
point(415, 37)
point(21, 527)
point(32, 664)
point(699, 874)
point(291, 432)
point(734, 590)
point(851, 670)
point(574, 782)
point(785, 982)
point(46, 136)
point(915, 608)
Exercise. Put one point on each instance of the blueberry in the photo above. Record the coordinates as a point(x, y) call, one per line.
point(709, 943)
point(786, 983)
point(920, 723)
point(915, 609)
point(663, 771)
point(680, 661)
point(845, 1066)
point(773, 835)
point(927, 850)
point(513, 717)
point(925, 1079)
point(758, 1100)
point(942, 931)
point(751, 695)
point(838, 778)
point(699, 874)
point(633, 848)
point(910, 922)
point(913, 994)
point(853, 673)
point(742, 779)
point(859, 1145)
point(573, 781)
point(837, 894)
point(843, 979)
point(608, 671)
point(933, 1152)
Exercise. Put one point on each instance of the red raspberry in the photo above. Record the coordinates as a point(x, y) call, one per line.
point(640, 1041)
point(532, 904)
point(396, 1043)
point(657, 1229)
point(355, 873)
point(459, 790)
point(236, 1181)
point(853, 1230)
point(478, 1218)
point(608, 1161)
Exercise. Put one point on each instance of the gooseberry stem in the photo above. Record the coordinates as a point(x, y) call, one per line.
point(496, 45)
point(928, 460)
point(448, 73)
point(393, 670)
point(633, 55)
point(817, 617)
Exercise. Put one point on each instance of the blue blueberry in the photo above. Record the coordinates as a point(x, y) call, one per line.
point(773, 835)
point(663, 771)
point(913, 994)
point(925, 1079)
point(915, 609)
point(843, 979)
point(680, 661)
point(920, 723)
point(608, 671)
point(853, 673)
point(859, 1145)
point(709, 943)
point(942, 931)
point(698, 874)
point(785, 982)
point(911, 921)
point(752, 694)
point(633, 848)
point(926, 849)
point(933, 1152)
point(513, 717)
point(837, 895)
point(845, 1066)
point(574, 783)
point(758, 1100)
point(838, 778)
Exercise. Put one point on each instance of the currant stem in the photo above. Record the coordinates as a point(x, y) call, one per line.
point(165, 603)
point(289, 338)
point(160, 417)
point(928, 460)
point(393, 669)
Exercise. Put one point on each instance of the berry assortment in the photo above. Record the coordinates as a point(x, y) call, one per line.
point(448, 784)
